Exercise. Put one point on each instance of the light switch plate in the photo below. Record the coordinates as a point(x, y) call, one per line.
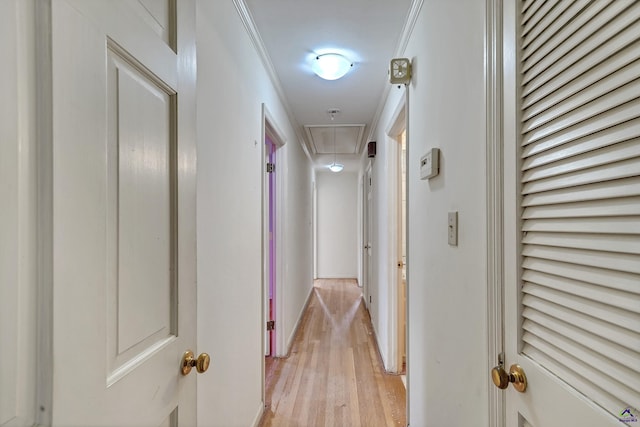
point(430, 164)
point(452, 228)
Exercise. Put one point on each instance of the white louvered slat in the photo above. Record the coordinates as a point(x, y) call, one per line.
point(539, 43)
point(629, 150)
point(599, 191)
point(547, 139)
point(559, 31)
point(622, 169)
point(615, 143)
point(585, 347)
point(596, 242)
point(601, 295)
point(604, 225)
point(545, 12)
point(573, 373)
point(580, 195)
point(580, 113)
point(610, 393)
point(576, 56)
point(610, 279)
point(622, 262)
point(527, 4)
point(579, 93)
point(623, 206)
point(598, 327)
point(542, 99)
point(530, 10)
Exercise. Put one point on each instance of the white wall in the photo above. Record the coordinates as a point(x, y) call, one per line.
point(232, 85)
point(447, 289)
point(298, 237)
point(337, 224)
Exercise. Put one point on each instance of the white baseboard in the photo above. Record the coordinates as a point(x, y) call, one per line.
point(295, 329)
point(258, 417)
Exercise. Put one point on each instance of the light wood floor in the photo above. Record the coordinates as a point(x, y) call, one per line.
point(334, 374)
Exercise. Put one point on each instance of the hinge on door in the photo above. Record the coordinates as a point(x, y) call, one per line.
point(271, 167)
point(271, 325)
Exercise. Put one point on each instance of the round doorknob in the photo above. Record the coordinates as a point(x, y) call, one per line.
point(500, 377)
point(515, 375)
point(189, 361)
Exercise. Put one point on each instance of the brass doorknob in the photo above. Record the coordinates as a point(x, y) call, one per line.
point(516, 376)
point(189, 361)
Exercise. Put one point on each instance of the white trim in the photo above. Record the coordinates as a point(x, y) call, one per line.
point(396, 125)
point(258, 44)
point(360, 225)
point(44, 154)
point(258, 417)
point(294, 331)
point(403, 42)
point(270, 128)
point(511, 182)
point(407, 136)
point(495, 226)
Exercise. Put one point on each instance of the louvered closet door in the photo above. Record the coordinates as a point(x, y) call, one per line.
point(573, 319)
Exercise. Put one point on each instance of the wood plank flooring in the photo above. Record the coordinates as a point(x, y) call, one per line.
point(334, 374)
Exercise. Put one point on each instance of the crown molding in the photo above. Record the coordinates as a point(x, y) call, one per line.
point(401, 47)
point(258, 44)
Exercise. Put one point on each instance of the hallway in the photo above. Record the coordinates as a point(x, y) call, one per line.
point(334, 374)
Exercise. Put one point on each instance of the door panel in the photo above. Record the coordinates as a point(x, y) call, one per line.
point(124, 216)
point(159, 15)
point(142, 207)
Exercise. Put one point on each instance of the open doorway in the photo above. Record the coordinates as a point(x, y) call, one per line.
point(398, 140)
point(402, 254)
point(273, 168)
point(367, 195)
point(271, 255)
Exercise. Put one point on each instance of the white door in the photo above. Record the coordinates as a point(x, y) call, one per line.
point(124, 243)
point(368, 227)
point(572, 224)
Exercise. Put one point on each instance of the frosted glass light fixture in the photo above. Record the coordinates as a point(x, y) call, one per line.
point(335, 167)
point(331, 66)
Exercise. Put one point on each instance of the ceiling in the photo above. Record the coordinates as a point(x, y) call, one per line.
point(290, 33)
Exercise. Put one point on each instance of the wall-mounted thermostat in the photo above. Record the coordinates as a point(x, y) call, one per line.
point(430, 164)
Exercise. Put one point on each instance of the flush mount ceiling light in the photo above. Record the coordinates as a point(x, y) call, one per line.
point(331, 66)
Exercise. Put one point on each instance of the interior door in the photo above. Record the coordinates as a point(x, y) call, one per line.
point(368, 227)
point(123, 212)
point(572, 224)
point(271, 249)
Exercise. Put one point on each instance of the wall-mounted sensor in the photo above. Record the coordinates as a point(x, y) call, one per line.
point(430, 164)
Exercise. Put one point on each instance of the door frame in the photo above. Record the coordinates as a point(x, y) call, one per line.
point(271, 129)
point(495, 167)
point(397, 124)
point(27, 218)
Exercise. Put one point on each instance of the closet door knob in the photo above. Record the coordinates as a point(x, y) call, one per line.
point(515, 376)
